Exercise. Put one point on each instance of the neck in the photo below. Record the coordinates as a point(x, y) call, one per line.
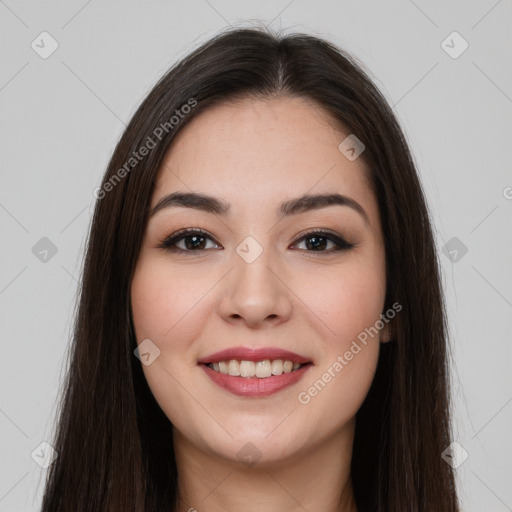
point(315, 480)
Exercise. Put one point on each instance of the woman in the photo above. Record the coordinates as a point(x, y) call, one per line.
point(261, 323)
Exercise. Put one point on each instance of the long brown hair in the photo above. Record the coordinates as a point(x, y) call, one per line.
point(114, 443)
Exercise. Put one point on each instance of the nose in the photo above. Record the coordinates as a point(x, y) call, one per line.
point(255, 293)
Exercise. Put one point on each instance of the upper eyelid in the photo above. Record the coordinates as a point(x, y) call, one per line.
point(186, 232)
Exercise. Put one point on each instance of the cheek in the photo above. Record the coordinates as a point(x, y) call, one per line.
point(171, 308)
point(161, 301)
point(332, 398)
point(163, 305)
point(349, 303)
point(346, 301)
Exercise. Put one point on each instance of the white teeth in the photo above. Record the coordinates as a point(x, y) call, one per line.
point(234, 368)
point(247, 368)
point(263, 369)
point(260, 369)
point(277, 367)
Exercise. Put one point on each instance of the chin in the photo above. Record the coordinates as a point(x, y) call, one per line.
point(259, 453)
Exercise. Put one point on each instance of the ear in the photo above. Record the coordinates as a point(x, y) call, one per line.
point(387, 332)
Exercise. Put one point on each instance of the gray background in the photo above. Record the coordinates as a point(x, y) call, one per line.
point(61, 117)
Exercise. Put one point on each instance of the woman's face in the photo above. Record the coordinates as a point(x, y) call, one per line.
point(255, 284)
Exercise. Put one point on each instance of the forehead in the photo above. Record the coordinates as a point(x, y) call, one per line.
point(261, 150)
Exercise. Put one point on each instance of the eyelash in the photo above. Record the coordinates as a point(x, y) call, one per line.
point(169, 242)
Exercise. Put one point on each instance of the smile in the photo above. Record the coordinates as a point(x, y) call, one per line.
point(260, 369)
point(250, 372)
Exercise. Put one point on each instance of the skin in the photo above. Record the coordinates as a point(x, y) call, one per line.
point(254, 154)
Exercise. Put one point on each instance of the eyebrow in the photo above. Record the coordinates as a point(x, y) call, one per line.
point(295, 206)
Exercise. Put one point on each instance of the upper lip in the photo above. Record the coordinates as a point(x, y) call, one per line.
point(254, 354)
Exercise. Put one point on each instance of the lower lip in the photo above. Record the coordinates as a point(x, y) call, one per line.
point(253, 386)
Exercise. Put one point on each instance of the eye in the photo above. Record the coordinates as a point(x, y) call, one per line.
point(194, 241)
point(317, 241)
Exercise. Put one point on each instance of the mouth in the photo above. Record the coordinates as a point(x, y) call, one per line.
point(255, 372)
point(259, 369)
